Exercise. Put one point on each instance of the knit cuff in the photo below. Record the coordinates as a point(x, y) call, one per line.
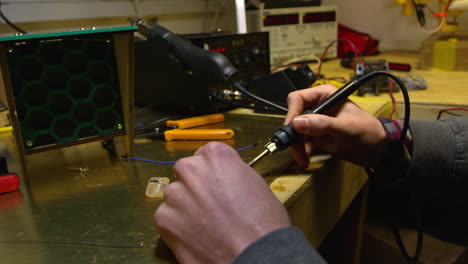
point(397, 156)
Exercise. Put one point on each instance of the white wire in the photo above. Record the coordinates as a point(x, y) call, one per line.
point(310, 57)
point(221, 4)
point(438, 28)
point(136, 5)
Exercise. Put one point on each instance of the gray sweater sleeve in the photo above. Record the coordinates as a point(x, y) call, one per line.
point(440, 154)
point(285, 245)
point(439, 163)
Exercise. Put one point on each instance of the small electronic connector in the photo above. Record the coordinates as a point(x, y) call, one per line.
point(155, 187)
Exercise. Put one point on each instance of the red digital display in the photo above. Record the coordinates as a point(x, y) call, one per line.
point(222, 50)
point(319, 17)
point(276, 20)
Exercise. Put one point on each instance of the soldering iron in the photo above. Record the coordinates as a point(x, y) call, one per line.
point(213, 65)
point(286, 136)
point(218, 68)
point(218, 71)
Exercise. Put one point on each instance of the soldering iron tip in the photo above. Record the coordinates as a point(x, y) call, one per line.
point(259, 157)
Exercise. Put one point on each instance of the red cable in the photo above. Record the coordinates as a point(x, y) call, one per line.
point(440, 15)
point(437, 14)
point(356, 52)
point(450, 109)
point(390, 92)
point(455, 108)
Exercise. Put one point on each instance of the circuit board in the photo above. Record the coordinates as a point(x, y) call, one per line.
point(66, 87)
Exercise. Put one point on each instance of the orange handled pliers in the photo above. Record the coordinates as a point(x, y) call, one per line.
point(177, 129)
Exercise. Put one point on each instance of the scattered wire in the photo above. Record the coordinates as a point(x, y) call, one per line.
point(144, 108)
point(86, 244)
point(173, 162)
point(296, 62)
point(419, 242)
point(149, 160)
point(220, 6)
point(437, 29)
point(136, 7)
point(236, 104)
point(249, 146)
point(356, 52)
point(11, 24)
point(390, 92)
point(434, 13)
point(239, 87)
point(420, 13)
point(404, 131)
point(407, 104)
point(282, 66)
point(442, 16)
point(447, 110)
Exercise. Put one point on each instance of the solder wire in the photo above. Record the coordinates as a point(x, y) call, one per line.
point(173, 162)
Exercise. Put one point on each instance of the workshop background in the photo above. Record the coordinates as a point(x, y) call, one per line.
point(381, 19)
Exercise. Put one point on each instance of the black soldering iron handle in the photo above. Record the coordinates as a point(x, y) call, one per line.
point(212, 64)
point(335, 99)
point(286, 136)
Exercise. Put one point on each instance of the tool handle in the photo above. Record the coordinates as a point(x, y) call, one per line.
point(198, 134)
point(286, 136)
point(399, 66)
point(196, 121)
point(336, 98)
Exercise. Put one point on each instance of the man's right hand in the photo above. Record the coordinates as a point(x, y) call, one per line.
point(347, 131)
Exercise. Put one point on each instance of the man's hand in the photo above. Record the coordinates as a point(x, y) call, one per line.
point(347, 132)
point(217, 206)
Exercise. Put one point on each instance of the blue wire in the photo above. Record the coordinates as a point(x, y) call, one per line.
point(154, 161)
point(173, 162)
point(244, 148)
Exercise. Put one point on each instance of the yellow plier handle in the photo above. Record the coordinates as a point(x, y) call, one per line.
point(195, 121)
point(198, 134)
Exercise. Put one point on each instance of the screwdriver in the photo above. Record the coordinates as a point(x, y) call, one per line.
point(286, 136)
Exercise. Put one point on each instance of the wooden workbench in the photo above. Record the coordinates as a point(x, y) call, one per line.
point(100, 214)
point(83, 204)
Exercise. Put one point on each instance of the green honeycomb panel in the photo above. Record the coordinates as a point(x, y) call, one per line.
point(65, 88)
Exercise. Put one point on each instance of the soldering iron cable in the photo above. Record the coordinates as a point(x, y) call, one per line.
point(239, 87)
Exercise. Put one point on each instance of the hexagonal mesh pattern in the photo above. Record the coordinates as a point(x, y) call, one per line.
point(65, 89)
